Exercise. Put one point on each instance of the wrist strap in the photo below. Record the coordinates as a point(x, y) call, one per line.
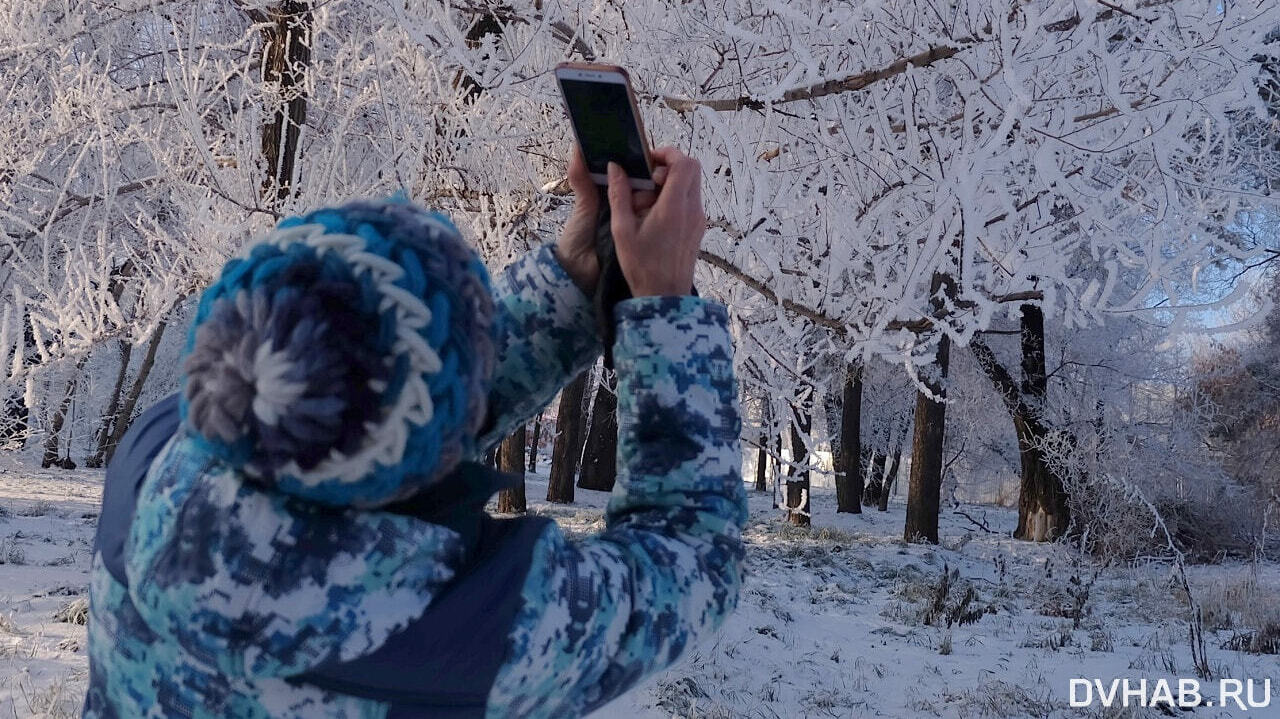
point(611, 287)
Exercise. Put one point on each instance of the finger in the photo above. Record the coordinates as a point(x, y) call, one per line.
point(577, 165)
point(685, 174)
point(683, 185)
point(643, 200)
point(586, 196)
point(621, 209)
point(667, 155)
point(579, 176)
point(694, 190)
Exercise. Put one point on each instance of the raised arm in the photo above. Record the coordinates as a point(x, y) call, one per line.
point(600, 615)
point(546, 336)
point(546, 316)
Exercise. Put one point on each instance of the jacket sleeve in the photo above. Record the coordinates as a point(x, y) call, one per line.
point(546, 335)
point(601, 614)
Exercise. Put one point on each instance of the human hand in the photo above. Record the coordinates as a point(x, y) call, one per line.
point(576, 247)
point(657, 240)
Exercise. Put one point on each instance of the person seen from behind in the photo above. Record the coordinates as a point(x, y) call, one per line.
point(300, 531)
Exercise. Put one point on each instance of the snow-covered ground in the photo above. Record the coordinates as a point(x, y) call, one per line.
point(844, 620)
point(47, 519)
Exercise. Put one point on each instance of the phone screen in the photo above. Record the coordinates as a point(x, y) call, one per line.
point(601, 115)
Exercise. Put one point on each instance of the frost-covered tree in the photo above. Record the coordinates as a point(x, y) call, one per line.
point(884, 180)
point(920, 168)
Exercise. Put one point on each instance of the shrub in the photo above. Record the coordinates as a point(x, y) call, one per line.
point(75, 611)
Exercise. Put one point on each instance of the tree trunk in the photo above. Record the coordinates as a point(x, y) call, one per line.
point(832, 406)
point(798, 499)
point(777, 455)
point(924, 493)
point(511, 460)
point(286, 55)
point(1043, 513)
point(567, 450)
point(875, 482)
point(762, 451)
point(533, 447)
point(849, 483)
point(106, 422)
point(1043, 510)
point(13, 432)
point(600, 454)
point(103, 435)
point(483, 24)
point(59, 418)
point(887, 485)
point(125, 417)
point(17, 415)
point(762, 462)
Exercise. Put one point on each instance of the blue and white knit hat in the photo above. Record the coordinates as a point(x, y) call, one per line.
point(345, 358)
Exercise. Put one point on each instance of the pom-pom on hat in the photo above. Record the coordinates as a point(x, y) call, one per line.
point(345, 358)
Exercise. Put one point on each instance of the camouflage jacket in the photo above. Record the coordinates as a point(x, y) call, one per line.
point(218, 599)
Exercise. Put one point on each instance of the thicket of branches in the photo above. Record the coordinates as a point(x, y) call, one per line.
point(993, 220)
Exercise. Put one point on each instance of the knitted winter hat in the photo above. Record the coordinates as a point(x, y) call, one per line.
point(346, 357)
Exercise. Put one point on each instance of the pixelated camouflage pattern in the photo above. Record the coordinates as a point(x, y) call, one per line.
point(187, 639)
point(600, 615)
point(262, 584)
point(134, 674)
point(546, 336)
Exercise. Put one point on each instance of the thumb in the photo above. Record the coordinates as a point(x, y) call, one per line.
point(584, 188)
point(622, 215)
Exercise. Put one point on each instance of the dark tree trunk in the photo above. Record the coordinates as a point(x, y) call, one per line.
point(567, 451)
point(762, 462)
point(777, 456)
point(849, 482)
point(832, 404)
point(600, 453)
point(107, 421)
point(483, 24)
point(533, 446)
point(103, 435)
point(1043, 510)
point(13, 431)
point(59, 418)
point(286, 56)
point(924, 493)
point(875, 482)
point(798, 500)
point(17, 416)
point(762, 451)
point(511, 460)
point(887, 485)
point(121, 425)
point(1043, 514)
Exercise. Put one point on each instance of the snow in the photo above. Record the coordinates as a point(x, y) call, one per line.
point(830, 624)
point(47, 519)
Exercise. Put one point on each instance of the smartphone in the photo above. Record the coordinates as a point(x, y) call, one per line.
point(602, 109)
